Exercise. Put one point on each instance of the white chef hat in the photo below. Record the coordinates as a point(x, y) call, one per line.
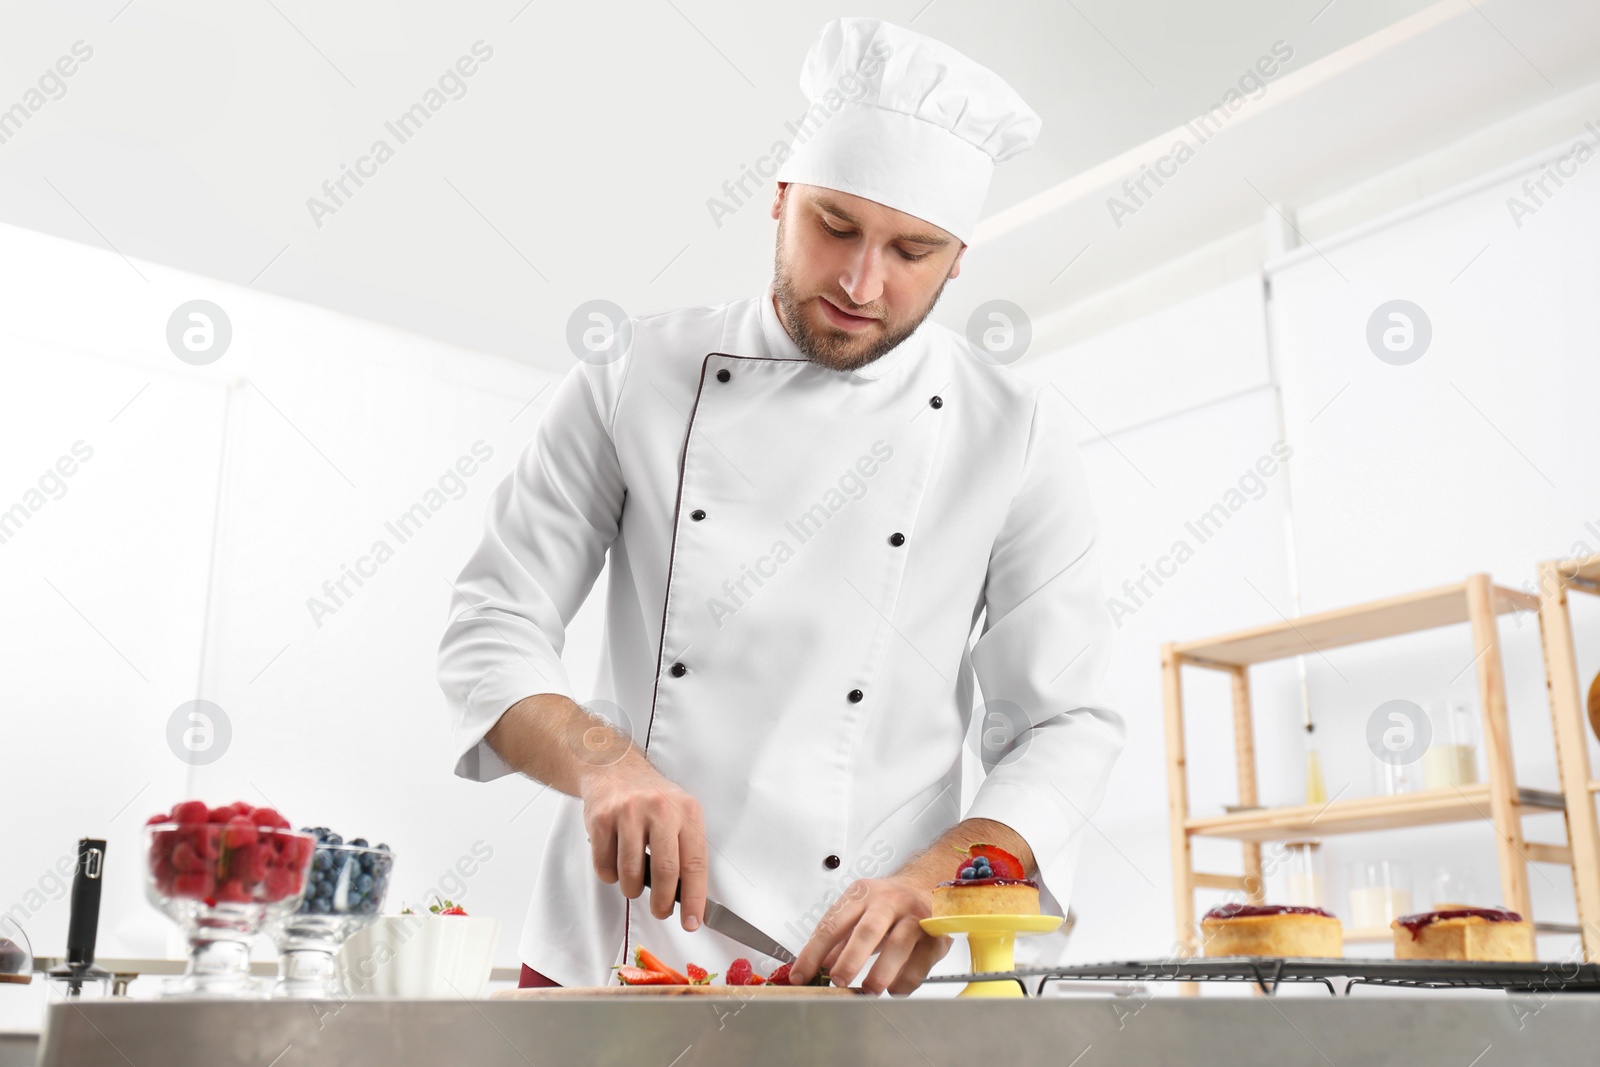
point(906, 121)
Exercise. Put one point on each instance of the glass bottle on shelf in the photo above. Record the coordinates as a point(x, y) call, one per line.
point(1452, 759)
point(1316, 790)
point(1393, 779)
point(1380, 892)
point(1302, 875)
point(1455, 887)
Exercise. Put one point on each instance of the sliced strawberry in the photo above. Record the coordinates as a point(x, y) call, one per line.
point(739, 972)
point(756, 979)
point(779, 976)
point(640, 976)
point(454, 909)
point(643, 957)
point(698, 975)
point(1003, 863)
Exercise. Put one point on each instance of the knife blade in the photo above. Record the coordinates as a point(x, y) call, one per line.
point(730, 924)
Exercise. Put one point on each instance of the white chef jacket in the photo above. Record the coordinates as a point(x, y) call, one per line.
point(799, 557)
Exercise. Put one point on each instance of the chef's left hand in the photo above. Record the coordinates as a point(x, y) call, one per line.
point(881, 915)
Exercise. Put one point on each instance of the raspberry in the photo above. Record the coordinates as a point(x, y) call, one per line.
point(280, 884)
point(191, 811)
point(269, 817)
point(193, 885)
point(740, 972)
point(185, 858)
point(234, 891)
point(239, 832)
point(779, 976)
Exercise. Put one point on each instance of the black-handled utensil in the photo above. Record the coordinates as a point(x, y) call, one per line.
point(83, 924)
point(677, 896)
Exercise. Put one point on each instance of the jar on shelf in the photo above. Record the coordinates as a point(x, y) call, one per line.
point(1455, 887)
point(1393, 779)
point(1452, 759)
point(1380, 892)
point(1302, 874)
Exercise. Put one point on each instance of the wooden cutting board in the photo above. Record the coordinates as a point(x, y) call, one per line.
point(725, 991)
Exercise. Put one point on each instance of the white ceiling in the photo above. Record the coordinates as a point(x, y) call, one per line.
point(1462, 86)
point(580, 160)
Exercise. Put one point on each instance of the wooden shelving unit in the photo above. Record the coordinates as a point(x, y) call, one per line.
point(1556, 579)
point(1500, 800)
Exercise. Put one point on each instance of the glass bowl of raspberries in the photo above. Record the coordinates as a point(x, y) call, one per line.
point(345, 892)
point(222, 874)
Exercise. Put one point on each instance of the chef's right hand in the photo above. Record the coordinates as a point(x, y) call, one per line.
point(628, 806)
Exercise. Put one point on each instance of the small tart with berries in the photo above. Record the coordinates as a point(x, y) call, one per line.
point(990, 881)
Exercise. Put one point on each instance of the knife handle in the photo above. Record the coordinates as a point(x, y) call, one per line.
point(677, 895)
point(84, 922)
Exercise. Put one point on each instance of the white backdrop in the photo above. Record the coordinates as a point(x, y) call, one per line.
point(1479, 456)
point(1476, 457)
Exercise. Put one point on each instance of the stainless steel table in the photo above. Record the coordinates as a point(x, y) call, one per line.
point(684, 1032)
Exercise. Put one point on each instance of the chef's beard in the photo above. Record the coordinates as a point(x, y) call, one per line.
point(834, 348)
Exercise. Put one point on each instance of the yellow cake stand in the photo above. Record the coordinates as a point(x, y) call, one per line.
point(992, 941)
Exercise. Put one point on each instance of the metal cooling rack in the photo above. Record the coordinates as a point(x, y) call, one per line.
point(1267, 973)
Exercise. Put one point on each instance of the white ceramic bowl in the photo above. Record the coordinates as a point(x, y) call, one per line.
point(421, 956)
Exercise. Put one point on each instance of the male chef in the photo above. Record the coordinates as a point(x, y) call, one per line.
point(808, 499)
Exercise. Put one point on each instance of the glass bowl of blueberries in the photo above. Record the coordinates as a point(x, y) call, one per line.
point(344, 892)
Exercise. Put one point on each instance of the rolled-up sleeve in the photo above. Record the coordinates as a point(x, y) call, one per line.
point(1042, 657)
point(546, 531)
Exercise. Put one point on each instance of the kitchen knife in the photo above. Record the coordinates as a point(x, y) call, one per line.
point(729, 924)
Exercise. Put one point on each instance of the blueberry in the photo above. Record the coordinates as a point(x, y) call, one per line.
point(968, 873)
point(364, 883)
point(322, 860)
point(358, 842)
point(334, 839)
point(382, 847)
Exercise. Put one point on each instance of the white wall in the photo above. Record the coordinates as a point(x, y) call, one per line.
point(1479, 456)
point(332, 426)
